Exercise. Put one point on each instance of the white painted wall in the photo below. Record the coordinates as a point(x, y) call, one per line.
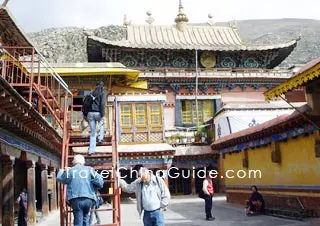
point(240, 120)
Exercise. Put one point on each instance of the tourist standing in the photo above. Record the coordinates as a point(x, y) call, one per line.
point(22, 200)
point(152, 196)
point(208, 190)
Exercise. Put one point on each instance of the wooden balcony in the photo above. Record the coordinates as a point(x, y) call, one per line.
point(48, 95)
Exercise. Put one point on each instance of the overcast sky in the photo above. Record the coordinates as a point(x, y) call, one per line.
point(35, 15)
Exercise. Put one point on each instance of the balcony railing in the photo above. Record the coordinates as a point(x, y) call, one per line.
point(215, 72)
point(20, 67)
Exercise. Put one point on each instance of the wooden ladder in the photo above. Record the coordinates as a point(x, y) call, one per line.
point(107, 160)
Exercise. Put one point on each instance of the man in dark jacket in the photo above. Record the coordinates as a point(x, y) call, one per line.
point(95, 113)
point(23, 202)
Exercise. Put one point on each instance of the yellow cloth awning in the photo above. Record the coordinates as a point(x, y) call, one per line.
point(131, 75)
point(140, 84)
point(126, 89)
point(306, 74)
point(92, 69)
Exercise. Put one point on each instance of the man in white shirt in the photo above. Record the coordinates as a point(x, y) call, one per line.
point(152, 196)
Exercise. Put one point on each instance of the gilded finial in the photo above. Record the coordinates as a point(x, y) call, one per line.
point(126, 22)
point(181, 18)
point(211, 21)
point(299, 37)
point(233, 24)
point(149, 19)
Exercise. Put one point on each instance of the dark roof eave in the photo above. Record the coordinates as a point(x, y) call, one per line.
point(9, 22)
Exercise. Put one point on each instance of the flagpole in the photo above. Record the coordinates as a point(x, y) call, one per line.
point(196, 94)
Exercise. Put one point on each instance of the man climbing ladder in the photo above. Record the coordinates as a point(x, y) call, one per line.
point(108, 160)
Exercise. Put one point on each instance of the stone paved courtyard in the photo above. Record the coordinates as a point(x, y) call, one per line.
point(189, 210)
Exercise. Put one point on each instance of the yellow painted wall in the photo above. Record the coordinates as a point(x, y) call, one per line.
point(298, 166)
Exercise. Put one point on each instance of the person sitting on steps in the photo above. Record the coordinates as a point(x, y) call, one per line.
point(255, 204)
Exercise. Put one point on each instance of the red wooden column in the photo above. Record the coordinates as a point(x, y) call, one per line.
point(31, 187)
point(44, 190)
point(221, 169)
point(8, 191)
point(58, 196)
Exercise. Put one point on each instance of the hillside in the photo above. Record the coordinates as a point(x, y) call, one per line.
point(69, 44)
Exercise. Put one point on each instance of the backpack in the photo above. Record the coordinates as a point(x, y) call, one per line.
point(201, 194)
point(87, 103)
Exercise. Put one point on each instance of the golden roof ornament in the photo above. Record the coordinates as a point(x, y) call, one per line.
point(126, 22)
point(149, 19)
point(208, 59)
point(181, 18)
point(211, 21)
point(234, 24)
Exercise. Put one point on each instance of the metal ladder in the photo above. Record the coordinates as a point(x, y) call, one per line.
point(110, 162)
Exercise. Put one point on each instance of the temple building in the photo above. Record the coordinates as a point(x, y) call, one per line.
point(32, 121)
point(285, 150)
point(169, 82)
point(140, 143)
point(199, 69)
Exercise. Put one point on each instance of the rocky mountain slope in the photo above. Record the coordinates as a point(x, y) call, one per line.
point(69, 44)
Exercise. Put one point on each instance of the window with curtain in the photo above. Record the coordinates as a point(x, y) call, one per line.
point(126, 115)
point(189, 109)
point(155, 114)
point(141, 114)
point(141, 122)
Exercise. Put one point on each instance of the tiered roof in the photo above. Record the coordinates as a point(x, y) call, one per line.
point(200, 37)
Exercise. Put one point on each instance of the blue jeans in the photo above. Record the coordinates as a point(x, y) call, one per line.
point(80, 209)
point(93, 118)
point(153, 218)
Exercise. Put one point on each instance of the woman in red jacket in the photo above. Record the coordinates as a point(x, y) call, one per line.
point(208, 190)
